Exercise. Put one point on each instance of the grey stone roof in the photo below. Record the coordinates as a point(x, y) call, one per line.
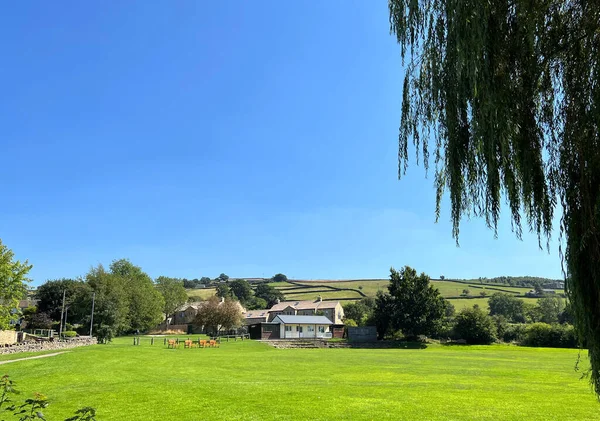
point(308, 320)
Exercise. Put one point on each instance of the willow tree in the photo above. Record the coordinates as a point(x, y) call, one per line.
point(503, 99)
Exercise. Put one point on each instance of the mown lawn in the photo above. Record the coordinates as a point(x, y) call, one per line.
point(251, 381)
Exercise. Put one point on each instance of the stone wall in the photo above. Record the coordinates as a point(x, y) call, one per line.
point(48, 345)
point(8, 337)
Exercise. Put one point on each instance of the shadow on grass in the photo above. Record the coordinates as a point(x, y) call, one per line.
point(388, 345)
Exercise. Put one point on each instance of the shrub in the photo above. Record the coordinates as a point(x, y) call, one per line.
point(514, 333)
point(553, 336)
point(69, 334)
point(475, 326)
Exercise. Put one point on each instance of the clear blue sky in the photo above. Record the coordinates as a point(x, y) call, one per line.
point(196, 138)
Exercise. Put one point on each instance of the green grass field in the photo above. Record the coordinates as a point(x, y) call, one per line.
point(202, 293)
point(251, 381)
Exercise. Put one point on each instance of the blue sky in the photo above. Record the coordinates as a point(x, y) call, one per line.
point(196, 138)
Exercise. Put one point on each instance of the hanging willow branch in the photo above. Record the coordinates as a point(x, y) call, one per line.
point(507, 96)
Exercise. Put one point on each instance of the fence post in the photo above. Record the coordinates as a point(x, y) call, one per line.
point(134, 341)
point(152, 341)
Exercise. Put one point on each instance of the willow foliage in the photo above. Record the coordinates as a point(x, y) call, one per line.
point(503, 97)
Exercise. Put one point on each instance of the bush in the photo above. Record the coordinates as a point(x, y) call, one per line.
point(514, 333)
point(552, 336)
point(69, 334)
point(475, 326)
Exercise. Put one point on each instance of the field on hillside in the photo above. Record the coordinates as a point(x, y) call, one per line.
point(351, 291)
point(202, 293)
point(251, 381)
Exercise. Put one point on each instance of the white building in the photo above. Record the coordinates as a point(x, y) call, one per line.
point(296, 327)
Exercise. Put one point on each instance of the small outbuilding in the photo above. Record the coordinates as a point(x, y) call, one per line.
point(298, 327)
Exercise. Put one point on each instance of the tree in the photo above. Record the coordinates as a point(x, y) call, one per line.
point(230, 314)
point(483, 293)
point(509, 93)
point(205, 280)
point(256, 303)
point(222, 291)
point(360, 311)
point(550, 307)
point(465, 292)
point(13, 278)
point(413, 305)
point(508, 306)
point(241, 289)
point(269, 294)
point(222, 278)
point(38, 320)
point(475, 326)
point(173, 293)
point(215, 314)
point(77, 296)
point(146, 304)
point(280, 277)
point(111, 303)
point(207, 317)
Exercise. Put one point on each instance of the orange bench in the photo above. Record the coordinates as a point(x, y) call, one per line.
point(172, 344)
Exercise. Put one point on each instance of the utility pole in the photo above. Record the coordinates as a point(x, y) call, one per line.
point(92, 318)
point(62, 312)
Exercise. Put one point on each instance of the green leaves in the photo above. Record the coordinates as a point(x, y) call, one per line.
point(13, 279)
point(509, 92)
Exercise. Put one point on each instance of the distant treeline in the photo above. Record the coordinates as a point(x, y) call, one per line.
point(515, 281)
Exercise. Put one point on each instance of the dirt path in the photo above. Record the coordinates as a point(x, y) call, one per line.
point(34, 357)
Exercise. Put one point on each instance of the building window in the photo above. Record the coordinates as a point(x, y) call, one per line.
point(311, 329)
point(288, 328)
point(321, 329)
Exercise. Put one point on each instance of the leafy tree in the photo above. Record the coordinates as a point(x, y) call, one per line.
point(360, 311)
point(269, 294)
point(413, 305)
point(173, 293)
point(205, 280)
point(442, 277)
point(382, 315)
point(475, 326)
point(230, 314)
point(483, 293)
point(509, 92)
point(508, 306)
point(241, 289)
point(550, 308)
point(13, 278)
point(280, 277)
point(37, 320)
point(214, 314)
point(77, 296)
point(222, 278)
point(189, 284)
point(111, 303)
point(145, 302)
point(223, 291)
point(256, 303)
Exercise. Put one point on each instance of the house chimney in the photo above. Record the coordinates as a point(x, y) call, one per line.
point(277, 301)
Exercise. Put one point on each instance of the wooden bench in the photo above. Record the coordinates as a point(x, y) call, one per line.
point(172, 344)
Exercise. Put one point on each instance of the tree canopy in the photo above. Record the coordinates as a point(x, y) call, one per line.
point(412, 306)
point(505, 96)
point(173, 293)
point(13, 278)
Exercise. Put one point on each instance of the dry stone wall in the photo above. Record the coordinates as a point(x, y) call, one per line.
point(48, 346)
